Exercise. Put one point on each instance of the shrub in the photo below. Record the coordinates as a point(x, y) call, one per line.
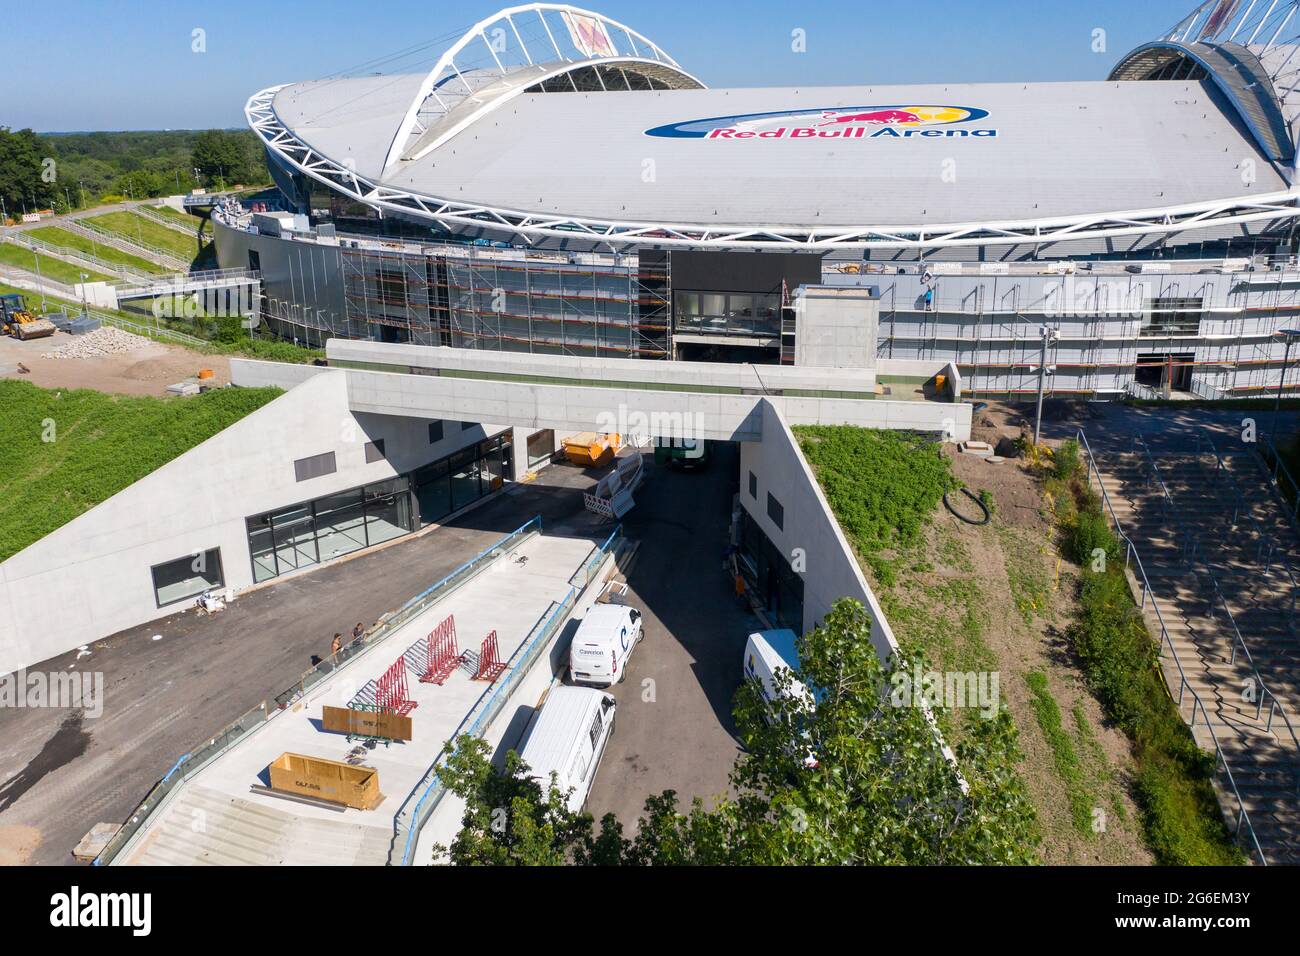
point(1091, 533)
point(1067, 464)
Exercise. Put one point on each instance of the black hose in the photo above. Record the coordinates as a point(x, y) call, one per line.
point(957, 514)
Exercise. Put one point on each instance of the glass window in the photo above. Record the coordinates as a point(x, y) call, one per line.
point(464, 479)
point(340, 524)
point(541, 445)
point(433, 492)
point(775, 511)
point(262, 549)
point(294, 536)
point(374, 450)
point(388, 510)
point(187, 577)
point(435, 432)
point(753, 486)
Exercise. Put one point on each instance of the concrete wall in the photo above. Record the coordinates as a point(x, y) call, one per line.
point(92, 577)
point(831, 570)
point(757, 379)
point(578, 407)
point(835, 327)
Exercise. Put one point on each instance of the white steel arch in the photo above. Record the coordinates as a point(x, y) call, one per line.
point(586, 36)
point(531, 226)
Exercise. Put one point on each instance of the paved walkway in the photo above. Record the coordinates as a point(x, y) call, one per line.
point(61, 773)
point(243, 824)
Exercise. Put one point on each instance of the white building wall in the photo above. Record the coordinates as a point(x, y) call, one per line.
point(92, 577)
point(831, 570)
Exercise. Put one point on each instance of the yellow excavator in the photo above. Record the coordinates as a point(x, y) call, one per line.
point(17, 320)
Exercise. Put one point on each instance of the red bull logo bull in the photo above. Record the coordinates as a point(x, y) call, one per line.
point(848, 122)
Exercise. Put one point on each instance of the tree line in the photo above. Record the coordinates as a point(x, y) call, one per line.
point(64, 171)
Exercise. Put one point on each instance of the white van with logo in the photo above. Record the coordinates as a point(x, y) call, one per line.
point(603, 643)
point(568, 739)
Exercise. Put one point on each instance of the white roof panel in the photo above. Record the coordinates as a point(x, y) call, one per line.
point(897, 155)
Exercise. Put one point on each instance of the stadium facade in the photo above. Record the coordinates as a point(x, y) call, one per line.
point(558, 184)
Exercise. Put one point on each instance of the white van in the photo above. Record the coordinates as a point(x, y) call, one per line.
point(569, 738)
point(767, 653)
point(603, 644)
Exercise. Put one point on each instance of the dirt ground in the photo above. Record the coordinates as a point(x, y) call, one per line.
point(146, 371)
point(999, 597)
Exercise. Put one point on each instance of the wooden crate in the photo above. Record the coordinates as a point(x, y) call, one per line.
point(366, 723)
point(331, 780)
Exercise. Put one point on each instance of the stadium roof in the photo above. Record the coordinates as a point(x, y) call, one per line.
point(594, 132)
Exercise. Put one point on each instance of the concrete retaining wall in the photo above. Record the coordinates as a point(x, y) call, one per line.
point(808, 527)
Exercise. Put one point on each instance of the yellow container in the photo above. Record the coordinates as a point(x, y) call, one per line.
point(590, 449)
point(331, 780)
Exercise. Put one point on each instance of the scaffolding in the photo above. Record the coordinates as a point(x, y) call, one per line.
point(1212, 322)
point(510, 300)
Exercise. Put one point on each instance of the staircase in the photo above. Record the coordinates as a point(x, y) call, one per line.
point(205, 827)
point(1220, 557)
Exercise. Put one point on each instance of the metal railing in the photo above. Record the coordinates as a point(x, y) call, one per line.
point(1141, 392)
point(1220, 601)
point(1241, 508)
point(124, 243)
point(75, 256)
point(410, 820)
point(1133, 562)
point(192, 762)
point(149, 331)
point(1280, 477)
point(153, 216)
point(189, 281)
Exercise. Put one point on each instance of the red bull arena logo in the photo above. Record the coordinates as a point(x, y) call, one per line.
point(841, 122)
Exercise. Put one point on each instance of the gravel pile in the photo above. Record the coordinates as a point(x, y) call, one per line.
point(106, 340)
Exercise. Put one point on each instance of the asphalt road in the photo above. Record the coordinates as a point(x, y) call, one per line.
point(62, 772)
point(675, 729)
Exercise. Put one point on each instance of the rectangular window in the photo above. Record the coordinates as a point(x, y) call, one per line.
point(753, 486)
point(314, 467)
point(1171, 315)
point(775, 511)
point(435, 432)
point(374, 450)
point(187, 577)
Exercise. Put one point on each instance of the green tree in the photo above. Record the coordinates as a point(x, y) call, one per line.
point(222, 157)
point(140, 184)
point(882, 790)
point(28, 172)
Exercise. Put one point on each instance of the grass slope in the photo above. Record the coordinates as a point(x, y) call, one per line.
point(48, 267)
point(63, 452)
point(70, 240)
point(138, 229)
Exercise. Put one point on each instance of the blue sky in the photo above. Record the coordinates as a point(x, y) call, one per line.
point(81, 65)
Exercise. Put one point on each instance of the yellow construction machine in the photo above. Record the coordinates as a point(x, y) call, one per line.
point(17, 320)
